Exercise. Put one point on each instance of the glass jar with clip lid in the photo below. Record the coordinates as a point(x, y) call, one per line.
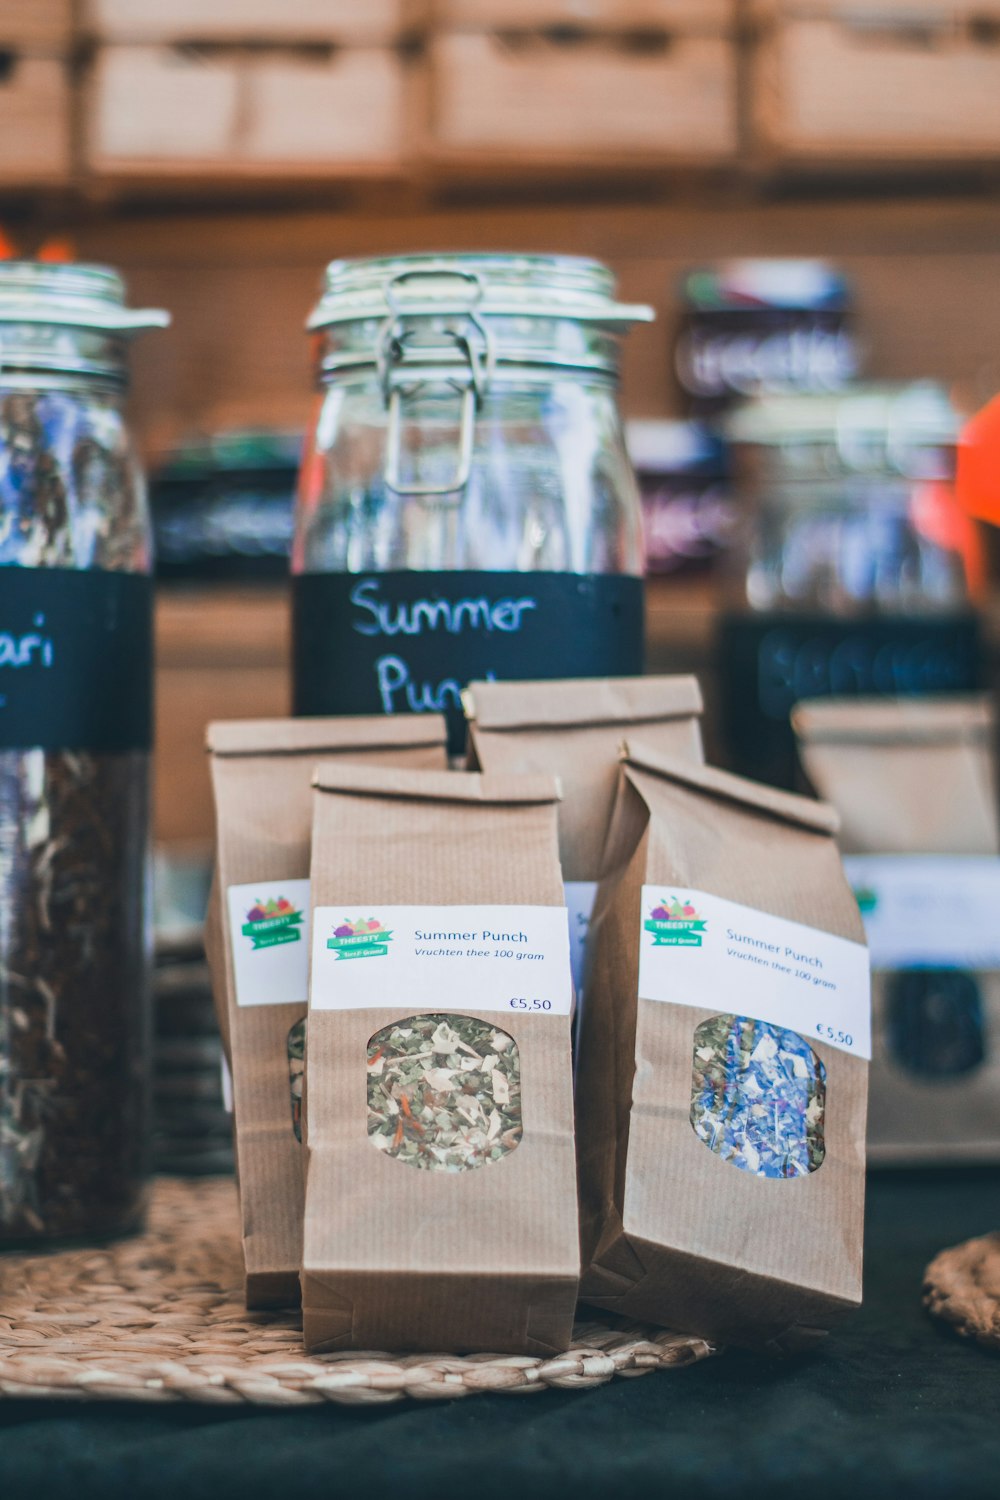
point(466, 507)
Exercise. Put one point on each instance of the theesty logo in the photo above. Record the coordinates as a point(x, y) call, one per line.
point(360, 939)
point(272, 922)
point(675, 924)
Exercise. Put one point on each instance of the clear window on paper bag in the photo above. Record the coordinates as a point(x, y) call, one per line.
point(296, 1072)
point(934, 1022)
point(444, 1092)
point(758, 1095)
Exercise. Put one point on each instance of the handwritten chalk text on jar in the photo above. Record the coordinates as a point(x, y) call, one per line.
point(31, 650)
point(451, 615)
point(396, 685)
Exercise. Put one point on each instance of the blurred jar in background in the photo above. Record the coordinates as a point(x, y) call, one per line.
point(466, 507)
point(754, 327)
point(688, 513)
point(855, 565)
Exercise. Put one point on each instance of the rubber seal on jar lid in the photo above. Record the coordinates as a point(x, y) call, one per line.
point(75, 296)
point(508, 286)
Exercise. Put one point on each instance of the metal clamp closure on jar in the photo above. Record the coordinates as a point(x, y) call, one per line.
point(466, 323)
point(403, 349)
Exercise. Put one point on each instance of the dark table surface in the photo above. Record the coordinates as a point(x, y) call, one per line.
point(893, 1405)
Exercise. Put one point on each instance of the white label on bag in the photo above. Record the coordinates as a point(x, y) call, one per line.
point(580, 896)
point(929, 910)
point(700, 950)
point(269, 934)
point(442, 958)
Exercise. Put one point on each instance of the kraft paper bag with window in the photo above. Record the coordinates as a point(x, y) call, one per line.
point(441, 1208)
point(907, 775)
point(257, 940)
point(914, 783)
point(723, 1062)
point(574, 729)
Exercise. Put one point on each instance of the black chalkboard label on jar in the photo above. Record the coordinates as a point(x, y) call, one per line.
point(768, 663)
point(76, 651)
point(409, 642)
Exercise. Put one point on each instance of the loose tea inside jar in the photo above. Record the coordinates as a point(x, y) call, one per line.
point(75, 728)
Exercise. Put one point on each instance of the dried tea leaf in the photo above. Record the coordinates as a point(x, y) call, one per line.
point(444, 1092)
point(758, 1096)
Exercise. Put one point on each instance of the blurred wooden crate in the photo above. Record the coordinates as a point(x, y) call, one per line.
point(352, 22)
point(221, 111)
point(600, 15)
point(885, 81)
point(34, 120)
point(582, 97)
point(39, 26)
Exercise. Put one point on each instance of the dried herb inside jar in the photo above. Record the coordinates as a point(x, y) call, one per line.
point(444, 1092)
point(72, 981)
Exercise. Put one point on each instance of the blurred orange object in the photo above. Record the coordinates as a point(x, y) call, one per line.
point(57, 250)
point(978, 475)
point(939, 515)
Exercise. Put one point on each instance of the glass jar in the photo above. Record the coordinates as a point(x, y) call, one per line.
point(75, 726)
point(466, 507)
point(855, 565)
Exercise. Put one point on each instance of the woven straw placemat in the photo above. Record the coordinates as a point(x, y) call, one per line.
point(161, 1318)
point(962, 1288)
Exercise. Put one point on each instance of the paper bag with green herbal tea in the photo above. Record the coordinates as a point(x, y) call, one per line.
point(573, 729)
point(257, 938)
point(723, 1062)
point(914, 783)
point(441, 1182)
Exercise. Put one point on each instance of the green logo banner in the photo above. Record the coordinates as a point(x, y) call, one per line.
point(361, 945)
point(676, 932)
point(268, 932)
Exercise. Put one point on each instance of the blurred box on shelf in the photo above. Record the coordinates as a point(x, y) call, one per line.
point(40, 26)
point(688, 510)
point(247, 111)
point(753, 327)
point(585, 94)
point(886, 80)
point(222, 507)
point(355, 21)
point(484, 15)
point(34, 120)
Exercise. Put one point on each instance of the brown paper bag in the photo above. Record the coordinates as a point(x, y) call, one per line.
point(574, 730)
point(261, 777)
point(907, 775)
point(721, 1139)
point(915, 778)
point(441, 1184)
